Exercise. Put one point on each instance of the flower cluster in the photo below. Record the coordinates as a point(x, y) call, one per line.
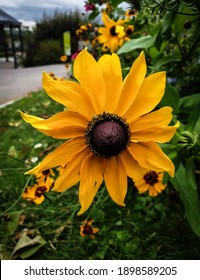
point(44, 182)
point(109, 36)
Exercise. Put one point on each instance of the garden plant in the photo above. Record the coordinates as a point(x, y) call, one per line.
point(111, 156)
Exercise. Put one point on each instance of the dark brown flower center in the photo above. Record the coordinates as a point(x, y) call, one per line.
point(107, 135)
point(151, 178)
point(113, 31)
point(88, 230)
point(40, 190)
point(46, 172)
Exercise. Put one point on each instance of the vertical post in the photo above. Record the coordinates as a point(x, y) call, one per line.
point(21, 40)
point(5, 45)
point(13, 46)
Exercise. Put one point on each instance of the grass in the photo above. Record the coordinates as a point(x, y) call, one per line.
point(147, 228)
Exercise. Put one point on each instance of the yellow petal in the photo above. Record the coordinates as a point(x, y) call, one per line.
point(120, 31)
point(157, 118)
point(133, 169)
point(116, 180)
point(107, 21)
point(132, 85)
point(156, 134)
point(29, 118)
point(70, 94)
point(142, 186)
point(88, 73)
point(63, 125)
point(91, 177)
point(150, 156)
point(149, 95)
point(71, 174)
point(104, 37)
point(153, 191)
point(61, 156)
point(111, 69)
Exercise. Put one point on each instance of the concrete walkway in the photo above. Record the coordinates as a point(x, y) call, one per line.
point(17, 83)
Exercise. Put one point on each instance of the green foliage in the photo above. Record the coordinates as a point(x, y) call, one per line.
point(189, 195)
point(51, 230)
point(138, 43)
point(46, 52)
point(46, 44)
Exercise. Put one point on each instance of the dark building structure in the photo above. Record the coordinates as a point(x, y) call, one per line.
point(10, 33)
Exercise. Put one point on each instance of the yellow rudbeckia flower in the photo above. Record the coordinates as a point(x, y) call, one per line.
point(113, 34)
point(109, 125)
point(151, 181)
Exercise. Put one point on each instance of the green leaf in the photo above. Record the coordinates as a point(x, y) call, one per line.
point(194, 120)
point(170, 98)
point(190, 172)
point(13, 221)
point(188, 102)
point(115, 3)
point(13, 152)
point(93, 15)
point(168, 21)
point(160, 61)
point(138, 43)
point(27, 246)
point(189, 197)
point(159, 40)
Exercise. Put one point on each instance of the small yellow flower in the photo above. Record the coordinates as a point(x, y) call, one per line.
point(131, 13)
point(129, 30)
point(36, 192)
point(108, 127)
point(79, 32)
point(89, 25)
point(151, 181)
point(113, 34)
point(87, 229)
point(84, 27)
point(63, 58)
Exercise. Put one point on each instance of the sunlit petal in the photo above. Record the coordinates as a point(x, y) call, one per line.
point(132, 85)
point(111, 69)
point(60, 156)
point(133, 169)
point(116, 180)
point(149, 95)
point(156, 134)
point(91, 177)
point(71, 174)
point(63, 125)
point(150, 156)
point(70, 94)
point(88, 73)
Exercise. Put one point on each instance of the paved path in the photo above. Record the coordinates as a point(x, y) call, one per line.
point(17, 83)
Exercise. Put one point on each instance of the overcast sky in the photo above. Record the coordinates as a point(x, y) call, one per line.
point(34, 10)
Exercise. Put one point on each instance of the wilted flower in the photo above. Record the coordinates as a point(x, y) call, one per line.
point(87, 229)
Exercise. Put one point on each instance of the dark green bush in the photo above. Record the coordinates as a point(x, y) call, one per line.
point(47, 52)
point(46, 43)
